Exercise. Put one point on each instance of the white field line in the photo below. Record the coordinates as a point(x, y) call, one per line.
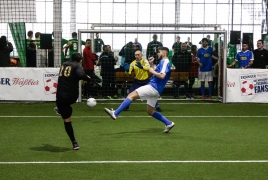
point(137, 116)
point(138, 162)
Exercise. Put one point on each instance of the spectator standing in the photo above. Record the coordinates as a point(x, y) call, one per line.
point(107, 62)
point(5, 49)
point(51, 51)
point(136, 42)
point(129, 55)
point(152, 49)
point(67, 92)
point(193, 72)
point(98, 43)
point(204, 55)
point(122, 54)
point(88, 64)
point(37, 39)
point(260, 56)
point(176, 47)
point(244, 58)
point(182, 61)
point(32, 57)
point(28, 48)
point(29, 38)
point(73, 44)
point(232, 51)
point(189, 44)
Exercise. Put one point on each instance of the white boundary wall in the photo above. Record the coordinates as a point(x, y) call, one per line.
point(247, 85)
point(28, 84)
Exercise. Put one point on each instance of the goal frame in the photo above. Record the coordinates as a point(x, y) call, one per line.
point(220, 33)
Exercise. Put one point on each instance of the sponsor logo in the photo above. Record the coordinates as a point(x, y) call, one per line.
point(50, 83)
point(230, 84)
point(206, 55)
point(5, 81)
point(253, 84)
point(24, 82)
point(243, 58)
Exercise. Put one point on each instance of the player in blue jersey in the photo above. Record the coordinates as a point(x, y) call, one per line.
point(244, 58)
point(204, 58)
point(151, 91)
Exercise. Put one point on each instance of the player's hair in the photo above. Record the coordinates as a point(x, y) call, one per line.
point(37, 34)
point(193, 48)
point(74, 34)
point(261, 40)
point(164, 49)
point(76, 57)
point(205, 39)
point(4, 39)
point(30, 33)
point(88, 40)
point(104, 47)
point(32, 45)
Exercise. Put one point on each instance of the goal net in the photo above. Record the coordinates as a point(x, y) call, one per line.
point(115, 49)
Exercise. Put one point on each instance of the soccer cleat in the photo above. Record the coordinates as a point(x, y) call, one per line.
point(158, 109)
point(203, 97)
point(209, 97)
point(75, 145)
point(187, 96)
point(57, 111)
point(169, 127)
point(110, 113)
point(192, 96)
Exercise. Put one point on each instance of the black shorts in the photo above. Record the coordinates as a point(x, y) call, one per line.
point(64, 103)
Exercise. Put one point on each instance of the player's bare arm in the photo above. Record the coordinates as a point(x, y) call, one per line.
point(159, 75)
point(198, 61)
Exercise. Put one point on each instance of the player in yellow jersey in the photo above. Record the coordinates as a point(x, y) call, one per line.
point(141, 68)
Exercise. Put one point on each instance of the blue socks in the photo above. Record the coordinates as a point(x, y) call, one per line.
point(210, 88)
point(203, 90)
point(156, 115)
point(123, 106)
point(161, 118)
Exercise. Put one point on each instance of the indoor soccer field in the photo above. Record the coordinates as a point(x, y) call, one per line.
point(211, 140)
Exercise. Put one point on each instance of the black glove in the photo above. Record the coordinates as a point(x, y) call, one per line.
point(138, 64)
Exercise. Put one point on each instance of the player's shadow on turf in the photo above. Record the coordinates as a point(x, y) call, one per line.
point(50, 148)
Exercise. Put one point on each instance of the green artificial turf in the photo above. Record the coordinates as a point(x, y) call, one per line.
point(210, 141)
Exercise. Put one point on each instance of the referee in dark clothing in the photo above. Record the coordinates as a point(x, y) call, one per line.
point(260, 56)
point(67, 92)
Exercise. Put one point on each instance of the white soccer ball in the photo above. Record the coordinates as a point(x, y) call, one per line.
point(91, 102)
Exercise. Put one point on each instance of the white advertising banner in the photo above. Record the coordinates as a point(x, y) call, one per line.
point(247, 85)
point(28, 84)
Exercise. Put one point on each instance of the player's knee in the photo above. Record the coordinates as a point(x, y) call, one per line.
point(133, 95)
point(150, 111)
point(66, 112)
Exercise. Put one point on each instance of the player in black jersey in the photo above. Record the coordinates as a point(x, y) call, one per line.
point(68, 90)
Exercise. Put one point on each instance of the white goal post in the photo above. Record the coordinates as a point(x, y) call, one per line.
point(219, 33)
